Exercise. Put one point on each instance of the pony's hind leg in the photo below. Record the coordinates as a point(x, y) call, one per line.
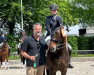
point(22, 62)
point(0, 62)
point(7, 62)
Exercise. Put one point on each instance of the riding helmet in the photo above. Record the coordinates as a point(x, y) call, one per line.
point(53, 7)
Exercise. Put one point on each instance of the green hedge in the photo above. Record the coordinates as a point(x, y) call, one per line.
point(77, 43)
point(72, 40)
point(91, 43)
point(81, 43)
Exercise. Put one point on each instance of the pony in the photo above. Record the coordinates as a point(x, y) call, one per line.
point(57, 57)
point(4, 55)
point(19, 50)
point(22, 57)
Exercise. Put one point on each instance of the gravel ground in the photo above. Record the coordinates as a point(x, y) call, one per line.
point(82, 66)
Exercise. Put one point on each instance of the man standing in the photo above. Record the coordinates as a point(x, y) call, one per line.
point(33, 48)
point(52, 22)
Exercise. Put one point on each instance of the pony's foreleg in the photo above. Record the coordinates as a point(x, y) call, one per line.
point(64, 71)
point(52, 72)
point(3, 62)
point(7, 57)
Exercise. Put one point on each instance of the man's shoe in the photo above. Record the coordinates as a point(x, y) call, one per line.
point(70, 66)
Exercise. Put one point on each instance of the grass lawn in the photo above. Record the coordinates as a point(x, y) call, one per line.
point(86, 55)
point(13, 58)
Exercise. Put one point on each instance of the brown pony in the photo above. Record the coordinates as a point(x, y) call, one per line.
point(57, 57)
point(19, 51)
point(4, 53)
point(22, 57)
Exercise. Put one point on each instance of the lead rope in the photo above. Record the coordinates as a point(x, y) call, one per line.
point(35, 65)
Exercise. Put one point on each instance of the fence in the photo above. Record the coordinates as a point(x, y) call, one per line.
point(14, 54)
point(83, 52)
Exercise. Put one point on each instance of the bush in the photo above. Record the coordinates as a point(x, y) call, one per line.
point(13, 42)
point(73, 41)
point(77, 43)
point(83, 43)
point(91, 43)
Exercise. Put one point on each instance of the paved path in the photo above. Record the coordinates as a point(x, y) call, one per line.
point(82, 66)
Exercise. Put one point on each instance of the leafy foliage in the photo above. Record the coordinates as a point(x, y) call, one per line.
point(83, 43)
point(33, 11)
point(13, 42)
point(73, 41)
point(84, 10)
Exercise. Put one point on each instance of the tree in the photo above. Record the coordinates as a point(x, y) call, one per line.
point(8, 9)
point(84, 9)
point(65, 11)
point(40, 9)
point(34, 11)
point(11, 13)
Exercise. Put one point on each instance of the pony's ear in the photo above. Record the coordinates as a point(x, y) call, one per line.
point(63, 32)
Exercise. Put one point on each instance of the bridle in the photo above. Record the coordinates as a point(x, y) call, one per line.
point(58, 42)
point(4, 47)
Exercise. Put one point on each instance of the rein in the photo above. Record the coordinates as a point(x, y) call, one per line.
point(58, 46)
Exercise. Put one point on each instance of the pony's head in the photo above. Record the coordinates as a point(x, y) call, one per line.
point(5, 46)
point(58, 39)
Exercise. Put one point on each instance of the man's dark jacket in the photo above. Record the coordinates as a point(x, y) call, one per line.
point(52, 24)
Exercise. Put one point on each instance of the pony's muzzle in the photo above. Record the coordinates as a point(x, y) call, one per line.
point(52, 49)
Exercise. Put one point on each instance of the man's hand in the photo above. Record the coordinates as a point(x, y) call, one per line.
point(32, 58)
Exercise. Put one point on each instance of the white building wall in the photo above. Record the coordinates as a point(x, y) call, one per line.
point(90, 30)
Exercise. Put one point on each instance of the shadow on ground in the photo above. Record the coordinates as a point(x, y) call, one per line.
point(14, 67)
